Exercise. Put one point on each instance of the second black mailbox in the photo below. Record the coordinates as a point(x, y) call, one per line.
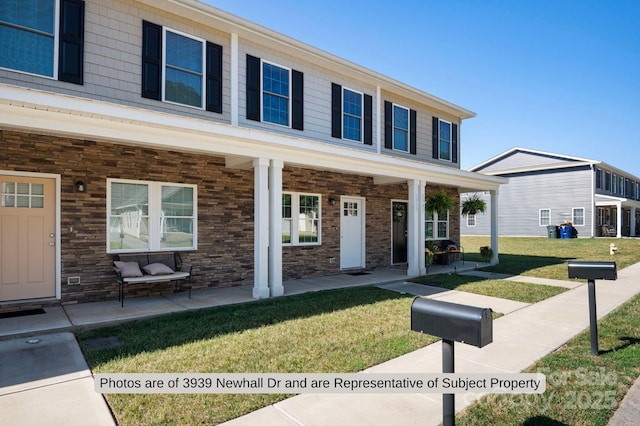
point(451, 321)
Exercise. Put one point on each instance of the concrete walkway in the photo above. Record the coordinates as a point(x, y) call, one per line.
point(61, 387)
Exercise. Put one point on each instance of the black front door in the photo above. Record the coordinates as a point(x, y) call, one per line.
point(399, 231)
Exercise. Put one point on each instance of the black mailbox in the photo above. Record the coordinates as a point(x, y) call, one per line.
point(451, 321)
point(592, 270)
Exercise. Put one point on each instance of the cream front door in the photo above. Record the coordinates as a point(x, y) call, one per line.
point(27, 238)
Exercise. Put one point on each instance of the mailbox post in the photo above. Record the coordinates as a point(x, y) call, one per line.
point(592, 271)
point(452, 322)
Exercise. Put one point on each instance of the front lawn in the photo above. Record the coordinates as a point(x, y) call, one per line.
point(343, 330)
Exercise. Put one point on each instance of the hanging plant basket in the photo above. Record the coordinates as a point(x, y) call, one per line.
point(473, 205)
point(439, 202)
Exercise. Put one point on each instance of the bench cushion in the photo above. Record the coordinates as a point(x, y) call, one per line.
point(128, 269)
point(157, 269)
point(156, 278)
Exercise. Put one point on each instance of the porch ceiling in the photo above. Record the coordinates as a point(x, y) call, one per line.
point(43, 112)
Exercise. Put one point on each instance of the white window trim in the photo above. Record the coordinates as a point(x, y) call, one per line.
point(155, 203)
point(473, 218)
point(540, 217)
point(56, 42)
point(203, 43)
point(393, 127)
point(342, 113)
point(450, 159)
point(295, 216)
point(435, 221)
point(573, 216)
point(289, 96)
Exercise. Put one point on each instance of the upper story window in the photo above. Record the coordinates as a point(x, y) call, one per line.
point(400, 128)
point(351, 115)
point(607, 181)
point(444, 140)
point(614, 183)
point(183, 69)
point(151, 216)
point(43, 37)
point(275, 94)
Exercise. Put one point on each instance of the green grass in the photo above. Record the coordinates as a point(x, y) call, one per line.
point(344, 330)
point(512, 290)
point(547, 258)
point(351, 329)
point(582, 389)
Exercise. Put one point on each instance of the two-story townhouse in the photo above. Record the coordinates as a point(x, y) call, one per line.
point(546, 189)
point(150, 126)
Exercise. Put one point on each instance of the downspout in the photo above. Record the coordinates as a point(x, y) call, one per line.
point(593, 201)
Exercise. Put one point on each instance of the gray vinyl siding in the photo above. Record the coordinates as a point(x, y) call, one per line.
point(112, 73)
point(483, 220)
point(521, 199)
point(519, 159)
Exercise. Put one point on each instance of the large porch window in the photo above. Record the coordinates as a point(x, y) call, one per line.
point(150, 216)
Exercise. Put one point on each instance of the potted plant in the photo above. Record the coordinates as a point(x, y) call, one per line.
point(439, 202)
point(486, 253)
point(472, 205)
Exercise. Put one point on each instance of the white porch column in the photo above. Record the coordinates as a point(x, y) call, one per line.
point(619, 220)
point(275, 228)
point(413, 229)
point(421, 229)
point(494, 226)
point(632, 233)
point(261, 228)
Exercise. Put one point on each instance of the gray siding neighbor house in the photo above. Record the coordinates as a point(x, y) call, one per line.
point(146, 126)
point(544, 189)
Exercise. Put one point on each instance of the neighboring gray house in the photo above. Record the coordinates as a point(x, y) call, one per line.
point(544, 188)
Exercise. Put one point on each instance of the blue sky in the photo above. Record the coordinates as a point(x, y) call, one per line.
point(556, 76)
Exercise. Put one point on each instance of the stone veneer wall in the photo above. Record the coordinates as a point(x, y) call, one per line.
point(225, 211)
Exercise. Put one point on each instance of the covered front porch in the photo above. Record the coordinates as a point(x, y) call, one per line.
point(617, 217)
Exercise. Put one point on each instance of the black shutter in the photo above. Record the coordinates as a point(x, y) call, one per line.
point(297, 105)
point(214, 78)
point(434, 137)
point(336, 110)
point(71, 44)
point(368, 120)
point(454, 142)
point(413, 138)
point(151, 60)
point(388, 125)
point(253, 88)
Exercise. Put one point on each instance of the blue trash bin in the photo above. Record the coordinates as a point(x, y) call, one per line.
point(565, 231)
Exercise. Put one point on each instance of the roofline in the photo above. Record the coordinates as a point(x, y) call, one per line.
point(252, 30)
point(532, 151)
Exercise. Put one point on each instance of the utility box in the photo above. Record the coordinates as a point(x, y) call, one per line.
point(592, 270)
point(451, 321)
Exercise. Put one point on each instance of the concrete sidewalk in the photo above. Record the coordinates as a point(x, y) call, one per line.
point(60, 390)
point(519, 339)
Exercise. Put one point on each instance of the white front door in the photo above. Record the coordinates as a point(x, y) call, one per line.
point(352, 248)
point(27, 238)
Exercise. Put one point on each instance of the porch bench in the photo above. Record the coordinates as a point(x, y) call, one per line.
point(447, 251)
point(136, 268)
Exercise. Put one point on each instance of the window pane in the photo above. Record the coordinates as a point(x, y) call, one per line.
point(177, 201)
point(442, 229)
point(129, 216)
point(308, 219)
point(286, 231)
point(275, 95)
point(183, 74)
point(176, 232)
point(351, 128)
point(400, 140)
point(29, 48)
point(352, 103)
point(400, 118)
